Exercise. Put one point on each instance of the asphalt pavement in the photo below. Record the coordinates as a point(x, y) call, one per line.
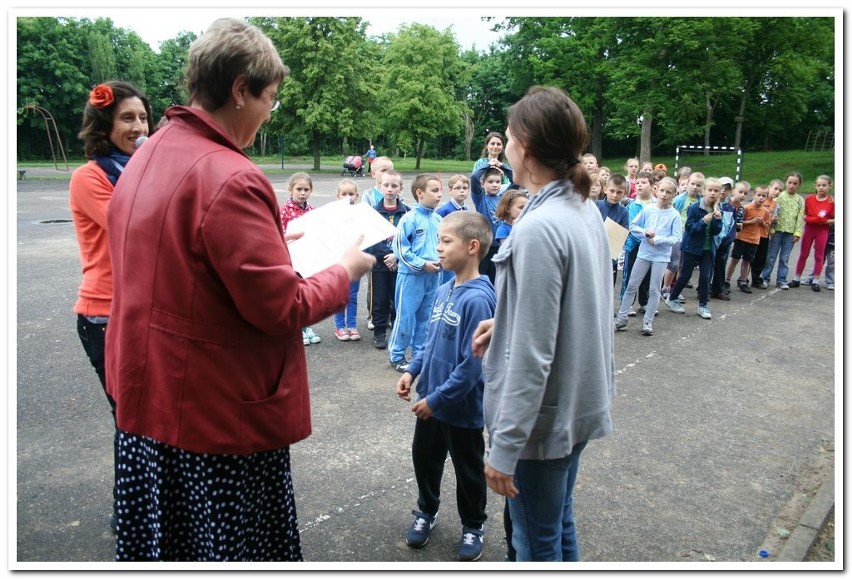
point(715, 423)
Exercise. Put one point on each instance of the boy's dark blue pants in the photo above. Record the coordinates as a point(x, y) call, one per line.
point(705, 271)
point(382, 286)
point(433, 439)
point(719, 267)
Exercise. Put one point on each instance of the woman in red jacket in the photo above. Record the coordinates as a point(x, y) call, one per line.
point(116, 115)
point(204, 354)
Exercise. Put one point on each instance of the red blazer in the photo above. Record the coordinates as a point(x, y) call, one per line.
point(204, 344)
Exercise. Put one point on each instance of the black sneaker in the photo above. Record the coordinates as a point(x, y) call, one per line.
point(400, 365)
point(743, 285)
point(815, 286)
point(793, 283)
point(419, 531)
point(470, 546)
point(380, 341)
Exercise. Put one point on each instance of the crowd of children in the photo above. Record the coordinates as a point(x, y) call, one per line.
point(433, 282)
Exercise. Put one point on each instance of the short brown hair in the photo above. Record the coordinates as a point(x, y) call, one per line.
point(228, 49)
point(419, 183)
point(470, 225)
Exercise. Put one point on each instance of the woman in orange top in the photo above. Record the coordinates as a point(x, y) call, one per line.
point(116, 115)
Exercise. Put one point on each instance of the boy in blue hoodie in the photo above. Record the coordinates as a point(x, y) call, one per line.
point(418, 270)
point(449, 408)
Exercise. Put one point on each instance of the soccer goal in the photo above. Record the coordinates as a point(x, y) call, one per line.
point(684, 155)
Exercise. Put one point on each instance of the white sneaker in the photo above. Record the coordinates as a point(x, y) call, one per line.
point(311, 336)
point(704, 312)
point(674, 306)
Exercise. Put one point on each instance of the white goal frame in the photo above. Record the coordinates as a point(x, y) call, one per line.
point(712, 148)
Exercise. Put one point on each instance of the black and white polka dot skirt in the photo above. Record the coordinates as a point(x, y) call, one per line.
point(175, 505)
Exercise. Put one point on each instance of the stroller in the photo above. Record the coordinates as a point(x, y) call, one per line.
point(353, 165)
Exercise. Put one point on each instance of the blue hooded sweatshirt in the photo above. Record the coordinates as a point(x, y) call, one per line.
point(451, 377)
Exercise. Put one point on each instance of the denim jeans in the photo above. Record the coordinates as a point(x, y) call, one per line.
point(543, 513)
point(349, 316)
point(780, 246)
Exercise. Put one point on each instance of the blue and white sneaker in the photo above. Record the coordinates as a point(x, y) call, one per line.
point(470, 547)
point(420, 529)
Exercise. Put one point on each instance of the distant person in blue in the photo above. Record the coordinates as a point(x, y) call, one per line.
point(371, 155)
point(449, 407)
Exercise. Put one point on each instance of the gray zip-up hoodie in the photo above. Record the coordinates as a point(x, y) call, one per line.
point(550, 366)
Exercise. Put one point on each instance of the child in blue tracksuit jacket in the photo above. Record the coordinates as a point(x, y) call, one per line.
point(450, 387)
point(416, 248)
point(703, 222)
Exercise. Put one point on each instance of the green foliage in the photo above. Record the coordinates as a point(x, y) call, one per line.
point(329, 85)
point(762, 83)
point(421, 70)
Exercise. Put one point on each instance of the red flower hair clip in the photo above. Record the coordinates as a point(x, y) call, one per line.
point(101, 96)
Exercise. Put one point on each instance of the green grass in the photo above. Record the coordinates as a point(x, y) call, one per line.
point(757, 168)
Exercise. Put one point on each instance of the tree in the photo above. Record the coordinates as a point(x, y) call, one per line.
point(169, 73)
point(575, 54)
point(329, 85)
point(53, 74)
point(487, 95)
point(421, 74)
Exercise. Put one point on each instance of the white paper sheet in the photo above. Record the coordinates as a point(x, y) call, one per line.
point(617, 236)
point(330, 230)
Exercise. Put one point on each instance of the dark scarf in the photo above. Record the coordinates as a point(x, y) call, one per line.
point(112, 164)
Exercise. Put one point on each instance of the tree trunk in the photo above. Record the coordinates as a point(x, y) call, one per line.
point(468, 135)
point(708, 123)
point(315, 142)
point(421, 144)
point(739, 120)
point(597, 121)
point(645, 141)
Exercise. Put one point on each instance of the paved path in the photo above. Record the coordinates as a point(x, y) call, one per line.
point(715, 423)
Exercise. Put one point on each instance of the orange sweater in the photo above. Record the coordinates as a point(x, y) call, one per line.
point(89, 195)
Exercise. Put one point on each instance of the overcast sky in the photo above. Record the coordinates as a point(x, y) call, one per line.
point(156, 25)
